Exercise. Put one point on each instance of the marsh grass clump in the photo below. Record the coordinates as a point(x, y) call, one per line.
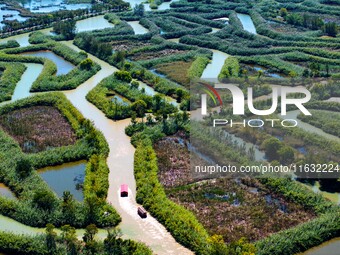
point(176, 71)
point(38, 128)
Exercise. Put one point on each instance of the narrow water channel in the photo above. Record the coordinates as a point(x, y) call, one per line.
point(138, 28)
point(148, 90)
point(66, 177)
point(247, 23)
point(334, 197)
point(9, 225)
point(309, 128)
point(330, 247)
point(333, 99)
point(120, 162)
point(63, 66)
point(23, 87)
point(213, 69)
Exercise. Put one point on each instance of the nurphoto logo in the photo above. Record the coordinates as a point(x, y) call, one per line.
point(281, 97)
point(239, 99)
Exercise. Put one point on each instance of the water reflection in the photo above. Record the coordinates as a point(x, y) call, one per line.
point(45, 6)
point(93, 23)
point(6, 192)
point(139, 29)
point(23, 87)
point(327, 248)
point(69, 176)
point(267, 73)
point(6, 14)
point(247, 23)
point(213, 69)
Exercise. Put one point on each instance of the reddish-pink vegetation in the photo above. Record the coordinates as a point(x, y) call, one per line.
point(155, 54)
point(127, 45)
point(228, 207)
point(174, 163)
point(38, 128)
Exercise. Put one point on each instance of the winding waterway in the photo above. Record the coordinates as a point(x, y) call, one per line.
point(63, 66)
point(120, 162)
point(23, 87)
point(22, 39)
point(330, 247)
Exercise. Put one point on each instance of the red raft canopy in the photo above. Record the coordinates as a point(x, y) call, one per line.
point(124, 190)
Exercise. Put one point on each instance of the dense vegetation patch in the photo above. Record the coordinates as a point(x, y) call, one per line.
point(227, 207)
point(37, 204)
point(181, 223)
point(107, 96)
point(176, 71)
point(294, 38)
point(9, 44)
point(38, 128)
point(10, 76)
point(286, 196)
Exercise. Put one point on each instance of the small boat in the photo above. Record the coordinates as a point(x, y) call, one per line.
point(124, 190)
point(142, 212)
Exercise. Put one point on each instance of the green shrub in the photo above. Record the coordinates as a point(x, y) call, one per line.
point(123, 76)
point(99, 96)
point(9, 44)
point(11, 75)
point(197, 67)
point(230, 68)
